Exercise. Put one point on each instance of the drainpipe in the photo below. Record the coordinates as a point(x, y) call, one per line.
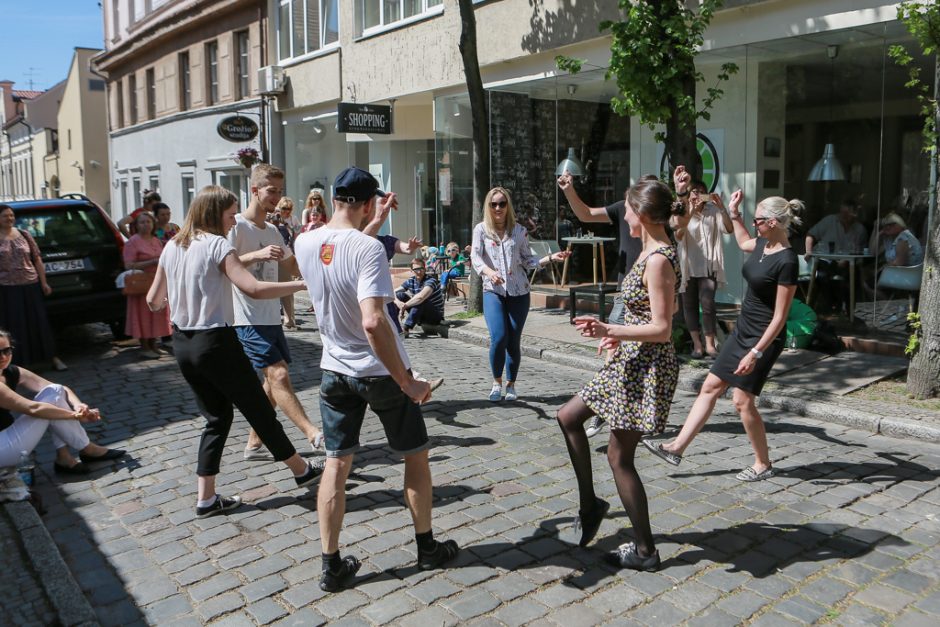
point(263, 30)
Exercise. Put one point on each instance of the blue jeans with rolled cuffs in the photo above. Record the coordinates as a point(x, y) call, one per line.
point(505, 317)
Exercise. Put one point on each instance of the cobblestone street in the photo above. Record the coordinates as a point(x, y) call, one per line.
point(848, 532)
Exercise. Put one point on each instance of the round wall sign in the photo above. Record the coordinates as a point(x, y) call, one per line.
point(238, 128)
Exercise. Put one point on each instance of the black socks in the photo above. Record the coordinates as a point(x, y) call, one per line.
point(331, 562)
point(426, 541)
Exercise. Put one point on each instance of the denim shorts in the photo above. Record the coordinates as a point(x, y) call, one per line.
point(616, 312)
point(343, 402)
point(265, 345)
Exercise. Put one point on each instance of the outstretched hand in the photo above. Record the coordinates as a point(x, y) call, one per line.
point(734, 205)
point(564, 181)
point(682, 180)
point(589, 326)
point(412, 245)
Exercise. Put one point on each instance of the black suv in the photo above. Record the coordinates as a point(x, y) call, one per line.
point(81, 249)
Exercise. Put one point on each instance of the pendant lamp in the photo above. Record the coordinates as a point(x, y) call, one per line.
point(828, 167)
point(571, 164)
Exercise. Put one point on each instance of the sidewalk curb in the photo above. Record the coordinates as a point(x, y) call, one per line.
point(70, 604)
point(793, 400)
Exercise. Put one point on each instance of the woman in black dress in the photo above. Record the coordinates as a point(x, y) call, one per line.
point(751, 350)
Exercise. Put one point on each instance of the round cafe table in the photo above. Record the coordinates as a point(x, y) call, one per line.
point(852, 259)
point(595, 243)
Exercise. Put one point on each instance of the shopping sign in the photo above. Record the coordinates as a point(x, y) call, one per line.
point(363, 118)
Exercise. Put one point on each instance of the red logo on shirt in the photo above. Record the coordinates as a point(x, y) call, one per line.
point(326, 253)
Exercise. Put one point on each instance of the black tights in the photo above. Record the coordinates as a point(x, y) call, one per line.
point(620, 452)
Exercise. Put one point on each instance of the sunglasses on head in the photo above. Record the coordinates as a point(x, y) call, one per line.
point(6, 352)
point(498, 203)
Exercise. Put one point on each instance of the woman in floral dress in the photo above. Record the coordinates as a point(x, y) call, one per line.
point(634, 390)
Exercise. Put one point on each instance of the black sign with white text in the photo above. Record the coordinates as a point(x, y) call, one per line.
point(238, 128)
point(363, 118)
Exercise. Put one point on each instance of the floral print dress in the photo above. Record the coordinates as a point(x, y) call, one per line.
point(634, 390)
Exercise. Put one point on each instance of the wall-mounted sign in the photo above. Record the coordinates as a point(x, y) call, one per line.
point(238, 128)
point(363, 118)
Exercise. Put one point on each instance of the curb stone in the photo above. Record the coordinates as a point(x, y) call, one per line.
point(70, 604)
point(793, 400)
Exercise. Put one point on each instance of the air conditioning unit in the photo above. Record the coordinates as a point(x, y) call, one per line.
point(271, 80)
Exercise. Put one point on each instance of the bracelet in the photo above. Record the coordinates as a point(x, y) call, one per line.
point(680, 195)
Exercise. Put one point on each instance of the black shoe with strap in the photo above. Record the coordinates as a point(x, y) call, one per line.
point(441, 553)
point(331, 581)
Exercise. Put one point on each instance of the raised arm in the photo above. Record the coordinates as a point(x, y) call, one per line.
point(578, 206)
point(247, 283)
point(745, 242)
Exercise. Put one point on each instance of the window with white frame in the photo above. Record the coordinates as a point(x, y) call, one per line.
point(188, 184)
point(305, 26)
point(241, 65)
point(212, 72)
point(377, 14)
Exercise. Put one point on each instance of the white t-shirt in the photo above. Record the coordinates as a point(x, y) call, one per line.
point(343, 267)
point(199, 293)
point(245, 237)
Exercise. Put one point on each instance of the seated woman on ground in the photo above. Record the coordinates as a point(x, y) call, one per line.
point(24, 419)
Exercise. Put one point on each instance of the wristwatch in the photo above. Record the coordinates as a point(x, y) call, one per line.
point(757, 353)
point(682, 195)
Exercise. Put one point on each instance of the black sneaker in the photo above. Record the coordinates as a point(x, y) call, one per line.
point(441, 553)
point(222, 504)
point(332, 581)
point(626, 556)
point(313, 474)
point(590, 522)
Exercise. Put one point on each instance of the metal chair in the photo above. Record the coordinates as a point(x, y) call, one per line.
point(902, 279)
point(540, 248)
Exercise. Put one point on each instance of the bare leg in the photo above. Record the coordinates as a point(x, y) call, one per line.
point(620, 453)
point(331, 501)
point(281, 391)
point(287, 302)
point(710, 347)
point(701, 411)
point(205, 487)
point(571, 418)
point(754, 426)
point(696, 341)
point(418, 490)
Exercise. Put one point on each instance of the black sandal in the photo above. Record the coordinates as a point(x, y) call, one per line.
point(443, 552)
point(331, 582)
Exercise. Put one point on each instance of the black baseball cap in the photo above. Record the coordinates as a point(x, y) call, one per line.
point(356, 185)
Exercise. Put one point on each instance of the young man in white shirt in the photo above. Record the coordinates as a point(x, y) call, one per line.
point(364, 365)
point(261, 249)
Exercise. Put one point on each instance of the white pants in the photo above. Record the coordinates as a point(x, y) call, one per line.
point(25, 432)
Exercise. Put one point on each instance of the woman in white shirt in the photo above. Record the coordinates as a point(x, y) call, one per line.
point(501, 255)
point(702, 262)
point(194, 277)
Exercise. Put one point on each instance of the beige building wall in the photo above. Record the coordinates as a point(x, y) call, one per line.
point(83, 135)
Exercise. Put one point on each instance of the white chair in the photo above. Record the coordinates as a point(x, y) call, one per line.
point(540, 248)
point(805, 276)
point(902, 279)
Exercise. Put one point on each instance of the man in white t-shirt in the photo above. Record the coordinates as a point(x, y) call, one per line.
point(364, 365)
point(261, 248)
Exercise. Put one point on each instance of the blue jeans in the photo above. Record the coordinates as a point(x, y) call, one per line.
point(505, 316)
point(447, 275)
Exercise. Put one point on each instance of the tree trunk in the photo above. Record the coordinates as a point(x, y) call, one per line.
point(479, 116)
point(680, 146)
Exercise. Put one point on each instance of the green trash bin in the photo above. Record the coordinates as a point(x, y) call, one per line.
point(801, 325)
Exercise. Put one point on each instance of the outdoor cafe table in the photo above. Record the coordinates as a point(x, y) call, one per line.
point(596, 243)
point(852, 259)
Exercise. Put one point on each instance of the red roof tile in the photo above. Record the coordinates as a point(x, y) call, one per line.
point(26, 94)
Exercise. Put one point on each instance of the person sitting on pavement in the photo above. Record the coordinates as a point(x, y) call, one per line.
point(749, 353)
point(635, 388)
point(420, 298)
point(194, 279)
point(262, 250)
point(836, 233)
point(49, 406)
point(501, 255)
point(364, 365)
point(701, 257)
point(896, 243)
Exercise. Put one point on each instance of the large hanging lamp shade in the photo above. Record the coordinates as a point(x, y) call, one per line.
point(571, 164)
point(828, 167)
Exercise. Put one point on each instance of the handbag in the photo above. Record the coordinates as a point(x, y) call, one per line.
point(138, 283)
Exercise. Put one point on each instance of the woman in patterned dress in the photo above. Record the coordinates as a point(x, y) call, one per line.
point(750, 351)
point(634, 390)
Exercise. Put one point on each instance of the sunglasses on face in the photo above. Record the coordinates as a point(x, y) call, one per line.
point(417, 269)
point(6, 352)
point(498, 203)
point(759, 221)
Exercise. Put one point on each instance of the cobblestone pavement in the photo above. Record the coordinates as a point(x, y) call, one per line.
point(23, 601)
point(847, 533)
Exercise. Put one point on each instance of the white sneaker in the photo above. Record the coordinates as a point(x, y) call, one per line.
point(594, 427)
point(511, 393)
point(496, 393)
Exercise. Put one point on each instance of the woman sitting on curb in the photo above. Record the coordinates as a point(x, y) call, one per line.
point(53, 406)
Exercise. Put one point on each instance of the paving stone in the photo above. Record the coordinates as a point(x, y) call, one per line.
point(884, 598)
point(429, 616)
point(801, 609)
point(304, 594)
point(659, 613)
point(429, 591)
point(213, 587)
point(520, 612)
point(389, 608)
point(337, 605)
point(469, 604)
point(303, 618)
point(219, 605)
point(262, 588)
point(264, 567)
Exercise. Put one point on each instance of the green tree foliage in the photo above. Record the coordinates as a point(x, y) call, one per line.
point(922, 18)
point(653, 50)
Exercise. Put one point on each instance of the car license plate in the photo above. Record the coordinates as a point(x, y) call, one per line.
point(66, 265)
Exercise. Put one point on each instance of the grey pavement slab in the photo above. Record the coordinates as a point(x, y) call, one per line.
point(847, 531)
point(843, 372)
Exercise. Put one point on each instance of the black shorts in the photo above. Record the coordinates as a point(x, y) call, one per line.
point(343, 402)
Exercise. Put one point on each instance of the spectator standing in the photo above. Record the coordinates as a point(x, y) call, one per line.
point(420, 298)
point(126, 224)
point(314, 210)
point(501, 255)
point(364, 365)
point(634, 389)
point(142, 252)
point(23, 288)
point(194, 279)
point(165, 230)
point(701, 258)
point(283, 221)
point(261, 249)
point(746, 357)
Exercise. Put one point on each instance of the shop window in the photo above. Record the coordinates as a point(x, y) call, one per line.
point(305, 26)
point(186, 98)
point(377, 14)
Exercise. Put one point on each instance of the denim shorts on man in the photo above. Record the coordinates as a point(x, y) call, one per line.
point(265, 345)
point(343, 402)
point(616, 312)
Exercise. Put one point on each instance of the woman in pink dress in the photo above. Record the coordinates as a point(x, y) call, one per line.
point(142, 252)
